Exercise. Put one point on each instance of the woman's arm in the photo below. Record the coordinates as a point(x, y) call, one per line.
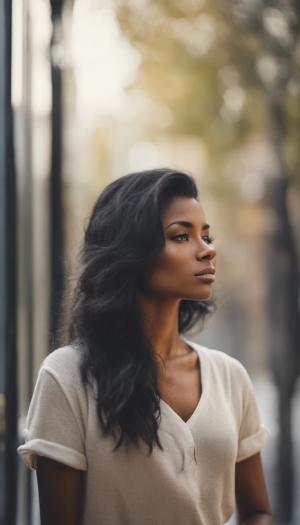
point(251, 492)
point(61, 492)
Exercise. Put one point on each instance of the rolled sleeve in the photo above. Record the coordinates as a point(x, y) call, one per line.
point(252, 444)
point(252, 433)
point(53, 429)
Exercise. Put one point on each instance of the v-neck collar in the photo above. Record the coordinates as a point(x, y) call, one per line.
point(201, 355)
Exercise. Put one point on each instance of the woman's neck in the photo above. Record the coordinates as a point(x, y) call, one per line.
point(160, 324)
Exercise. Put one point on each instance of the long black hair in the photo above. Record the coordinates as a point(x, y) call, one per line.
point(123, 236)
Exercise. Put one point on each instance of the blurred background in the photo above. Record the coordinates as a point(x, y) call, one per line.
point(93, 89)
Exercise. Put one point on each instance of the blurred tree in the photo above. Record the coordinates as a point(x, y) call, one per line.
point(228, 72)
point(276, 28)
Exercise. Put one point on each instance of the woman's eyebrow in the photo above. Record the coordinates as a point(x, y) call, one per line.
point(187, 224)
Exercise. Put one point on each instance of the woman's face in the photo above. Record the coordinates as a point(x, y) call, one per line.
point(187, 251)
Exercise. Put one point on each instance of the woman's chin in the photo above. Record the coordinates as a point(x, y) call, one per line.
point(200, 297)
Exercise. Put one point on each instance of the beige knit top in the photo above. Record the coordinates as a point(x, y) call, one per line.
point(190, 482)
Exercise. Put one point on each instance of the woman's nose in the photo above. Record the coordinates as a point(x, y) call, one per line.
point(206, 252)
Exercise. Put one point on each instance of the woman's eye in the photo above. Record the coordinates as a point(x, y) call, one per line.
point(208, 239)
point(185, 237)
point(180, 237)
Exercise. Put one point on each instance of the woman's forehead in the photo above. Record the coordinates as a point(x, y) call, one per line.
point(183, 208)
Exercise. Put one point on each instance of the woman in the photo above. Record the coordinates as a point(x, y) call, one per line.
point(132, 423)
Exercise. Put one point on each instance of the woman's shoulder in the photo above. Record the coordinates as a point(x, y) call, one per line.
point(228, 372)
point(222, 361)
point(63, 364)
point(68, 354)
point(59, 377)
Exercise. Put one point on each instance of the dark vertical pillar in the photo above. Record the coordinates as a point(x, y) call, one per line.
point(8, 385)
point(56, 204)
point(283, 275)
point(26, 265)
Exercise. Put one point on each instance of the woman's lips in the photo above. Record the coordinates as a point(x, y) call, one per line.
point(206, 277)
